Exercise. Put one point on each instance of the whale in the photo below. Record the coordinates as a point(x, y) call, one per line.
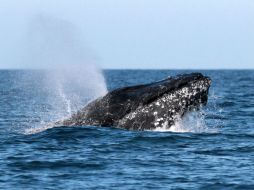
point(145, 106)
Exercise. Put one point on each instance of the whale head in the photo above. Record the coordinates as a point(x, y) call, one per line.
point(147, 106)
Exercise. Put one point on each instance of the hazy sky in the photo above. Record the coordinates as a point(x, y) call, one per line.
point(139, 33)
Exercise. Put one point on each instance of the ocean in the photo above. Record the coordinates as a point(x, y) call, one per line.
point(210, 149)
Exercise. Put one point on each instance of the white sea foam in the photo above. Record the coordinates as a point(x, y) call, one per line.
point(40, 128)
point(192, 122)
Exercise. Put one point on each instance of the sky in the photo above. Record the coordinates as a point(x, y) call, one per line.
point(129, 34)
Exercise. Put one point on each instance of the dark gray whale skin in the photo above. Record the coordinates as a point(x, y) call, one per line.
point(146, 106)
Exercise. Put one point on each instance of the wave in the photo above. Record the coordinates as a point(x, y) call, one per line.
point(192, 122)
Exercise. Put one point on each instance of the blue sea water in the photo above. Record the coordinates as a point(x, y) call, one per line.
point(217, 152)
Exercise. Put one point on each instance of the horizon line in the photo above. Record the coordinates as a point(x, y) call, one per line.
point(136, 68)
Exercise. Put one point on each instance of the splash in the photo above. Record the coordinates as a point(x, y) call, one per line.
point(39, 128)
point(192, 122)
point(70, 76)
